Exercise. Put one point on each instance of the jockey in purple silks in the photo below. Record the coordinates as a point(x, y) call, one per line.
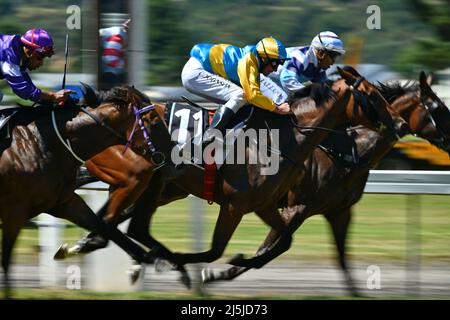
point(21, 53)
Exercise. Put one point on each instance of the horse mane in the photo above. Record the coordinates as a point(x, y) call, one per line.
point(117, 94)
point(390, 91)
point(393, 90)
point(320, 92)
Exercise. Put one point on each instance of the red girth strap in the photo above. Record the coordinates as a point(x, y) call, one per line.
point(209, 178)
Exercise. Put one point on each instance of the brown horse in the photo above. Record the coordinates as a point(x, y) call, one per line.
point(331, 188)
point(242, 189)
point(38, 166)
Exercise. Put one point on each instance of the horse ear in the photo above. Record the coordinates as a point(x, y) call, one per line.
point(425, 88)
point(90, 95)
point(430, 79)
point(423, 78)
point(345, 74)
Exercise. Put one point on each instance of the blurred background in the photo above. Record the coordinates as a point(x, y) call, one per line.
point(414, 35)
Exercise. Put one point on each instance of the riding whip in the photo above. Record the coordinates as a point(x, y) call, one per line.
point(66, 53)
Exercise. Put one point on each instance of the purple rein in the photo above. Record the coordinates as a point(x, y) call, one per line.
point(138, 113)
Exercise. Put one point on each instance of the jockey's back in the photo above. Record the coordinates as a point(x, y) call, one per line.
point(222, 59)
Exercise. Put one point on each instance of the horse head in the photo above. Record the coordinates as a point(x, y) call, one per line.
point(435, 116)
point(370, 104)
point(139, 118)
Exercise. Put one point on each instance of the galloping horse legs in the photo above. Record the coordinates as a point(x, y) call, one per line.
point(142, 214)
point(294, 213)
point(339, 222)
point(138, 228)
point(12, 222)
point(78, 212)
point(127, 189)
point(278, 241)
point(226, 224)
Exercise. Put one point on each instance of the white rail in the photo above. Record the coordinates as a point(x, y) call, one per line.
point(381, 181)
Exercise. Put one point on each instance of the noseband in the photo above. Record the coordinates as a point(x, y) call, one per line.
point(157, 157)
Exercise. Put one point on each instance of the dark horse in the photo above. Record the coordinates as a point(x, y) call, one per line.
point(38, 171)
point(331, 187)
point(242, 188)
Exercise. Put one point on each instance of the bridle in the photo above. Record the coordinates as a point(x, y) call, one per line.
point(430, 109)
point(156, 157)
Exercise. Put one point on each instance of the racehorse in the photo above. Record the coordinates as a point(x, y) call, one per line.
point(38, 163)
point(331, 186)
point(242, 189)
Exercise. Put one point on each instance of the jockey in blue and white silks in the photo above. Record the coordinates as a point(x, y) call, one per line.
point(18, 54)
point(309, 63)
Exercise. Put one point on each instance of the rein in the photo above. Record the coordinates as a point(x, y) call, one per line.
point(157, 157)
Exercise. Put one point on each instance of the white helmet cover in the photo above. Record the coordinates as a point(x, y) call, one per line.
point(329, 41)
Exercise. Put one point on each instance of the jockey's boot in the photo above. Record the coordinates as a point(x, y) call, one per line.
point(219, 122)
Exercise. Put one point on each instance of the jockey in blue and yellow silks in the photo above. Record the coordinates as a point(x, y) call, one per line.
point(229, 75)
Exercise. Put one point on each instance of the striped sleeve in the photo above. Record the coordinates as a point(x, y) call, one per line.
point(290, 75)
point(20, 82)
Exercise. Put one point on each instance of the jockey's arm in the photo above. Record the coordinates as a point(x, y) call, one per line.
point(290, 81)
point(58, 96)
point(25, 89)
point(22, 86)
point(249, 78)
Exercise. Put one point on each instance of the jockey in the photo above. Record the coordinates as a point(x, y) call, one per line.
point(229, 75)
point(308, 64)
point(19, 54)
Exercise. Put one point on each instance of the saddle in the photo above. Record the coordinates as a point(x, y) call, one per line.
point(187, 122)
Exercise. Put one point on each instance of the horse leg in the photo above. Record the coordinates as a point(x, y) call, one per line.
point(339, 223)
point(142, 213)
point(12, 223)
point(139, 227)
point(227, 222)
point(291, 217)
point(127, 183)
point(270, 216)
point(78, 212)
point(127, 187)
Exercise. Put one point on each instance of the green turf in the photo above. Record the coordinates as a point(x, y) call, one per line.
point(378, 231)
point(53, 294)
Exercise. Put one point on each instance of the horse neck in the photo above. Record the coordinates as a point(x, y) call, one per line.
point(88, 137)
point(328, 115)
point(372, 146)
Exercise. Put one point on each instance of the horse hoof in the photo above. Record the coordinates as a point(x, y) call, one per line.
point(62, 252)
point(163, 265)
point(134, 272)
point(207, 275)
point(186, 280)
point(236, 260)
